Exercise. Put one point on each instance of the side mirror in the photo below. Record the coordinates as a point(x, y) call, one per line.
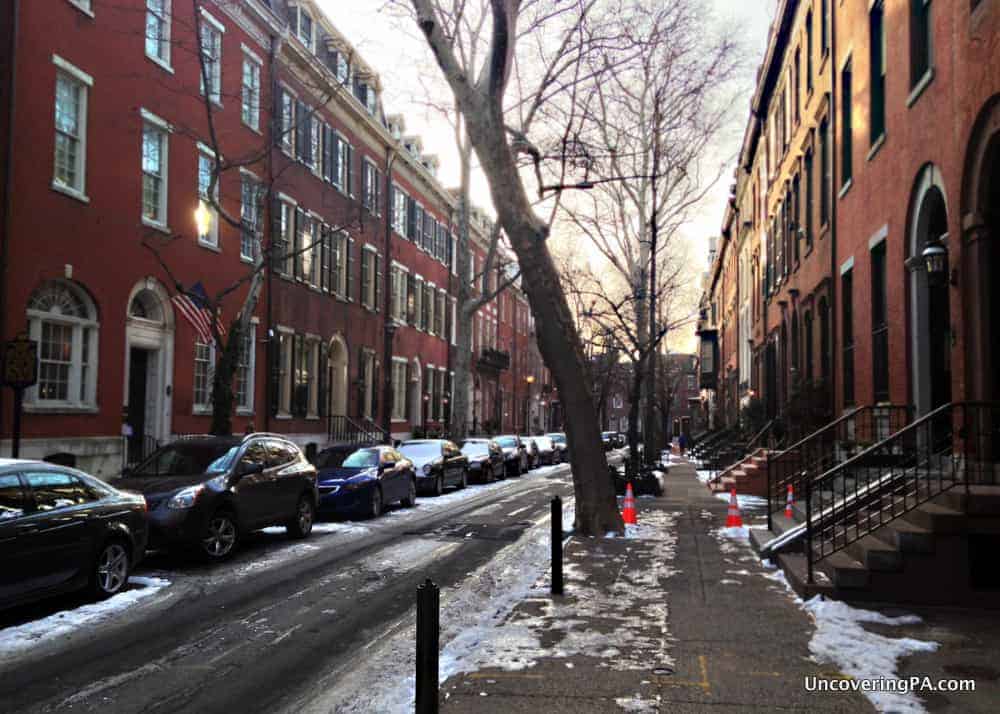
point(245, 469)
point(386, 465)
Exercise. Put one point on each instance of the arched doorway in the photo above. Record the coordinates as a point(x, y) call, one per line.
point(337, 363)
point(930, 314)
point(149, 367)
point(981, 254)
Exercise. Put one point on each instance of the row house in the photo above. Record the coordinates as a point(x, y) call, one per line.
point(143, 118)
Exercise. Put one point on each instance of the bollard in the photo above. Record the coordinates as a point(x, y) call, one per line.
point(557, 538)
point(428, 632)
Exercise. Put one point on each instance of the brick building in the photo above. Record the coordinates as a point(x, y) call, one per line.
point(112, 99)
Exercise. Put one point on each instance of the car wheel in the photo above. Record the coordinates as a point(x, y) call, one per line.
point(375, 503)
point(465, 479)
point(111, 569)
point(439, 485)
point(301, 524)
point(411, 495)
point(221, 534)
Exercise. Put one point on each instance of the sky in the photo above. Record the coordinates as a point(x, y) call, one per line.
point(400, 56)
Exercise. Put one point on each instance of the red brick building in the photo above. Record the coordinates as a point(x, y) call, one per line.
point(113, 101)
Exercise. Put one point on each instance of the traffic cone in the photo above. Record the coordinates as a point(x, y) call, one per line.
point(733, 518)
point(789, 502)
point(628, 511)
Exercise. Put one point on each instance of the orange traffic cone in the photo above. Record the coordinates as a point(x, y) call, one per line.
point(733, 518)
point(789, 502)
point(628, 511)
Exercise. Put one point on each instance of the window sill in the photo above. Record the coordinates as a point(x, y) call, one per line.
point(162, 227)
point(165, 66)
point(919, 87)
point(214, 247)
point(36, 408)
point(242, 411)
point(71, 192)
point(245, 259)
point(845, 188)
point(86, 11)
point(283, 417)
point(201, 411)
point(311, 417)
point(876, 146)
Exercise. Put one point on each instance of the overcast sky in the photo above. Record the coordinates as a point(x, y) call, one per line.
point(401, 59)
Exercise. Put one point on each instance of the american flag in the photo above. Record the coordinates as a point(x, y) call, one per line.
point(193, 305)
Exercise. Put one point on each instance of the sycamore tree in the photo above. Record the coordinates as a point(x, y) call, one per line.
point(233, 302)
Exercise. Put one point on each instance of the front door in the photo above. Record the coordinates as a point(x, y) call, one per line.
point(138, 380)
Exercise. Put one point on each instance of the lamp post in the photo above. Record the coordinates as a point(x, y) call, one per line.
point(529, 380)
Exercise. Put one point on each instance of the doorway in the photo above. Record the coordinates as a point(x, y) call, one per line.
point(138, 391)
point(337, 366)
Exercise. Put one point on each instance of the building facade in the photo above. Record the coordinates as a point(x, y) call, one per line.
point(276, 116)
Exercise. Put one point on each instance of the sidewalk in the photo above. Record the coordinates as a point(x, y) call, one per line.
point(676, 619)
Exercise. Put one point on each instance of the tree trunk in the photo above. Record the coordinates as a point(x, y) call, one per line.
point(633, 411)
point(222, 383)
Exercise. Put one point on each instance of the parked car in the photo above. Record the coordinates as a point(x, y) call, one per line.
point(532, 448)
point(546, 450)
point(333, 456)
point(515, 454)
point(364, 481)
point(62, 530)
point(620, 440)
point(438, 464)
point(560, 444)
point(206, 492)
point(486, 462)
point(607, 439)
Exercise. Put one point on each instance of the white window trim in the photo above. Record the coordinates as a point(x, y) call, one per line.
point(252, 57)
point(79, 75)
point(167, 17)
point(150, 118)
point(397, 407)
point(203, 409)
point(251, 370)
point(281, 412)
point(84, 6)
point(208, 17)
point(72, 69)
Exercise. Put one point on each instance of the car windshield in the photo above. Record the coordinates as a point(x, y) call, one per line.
point(558, 438)
point(507, 441)
point(425, 450)
point(361, 459)
point(543, 442)
point(188, 459)
point(475, 448)
point(332, 458)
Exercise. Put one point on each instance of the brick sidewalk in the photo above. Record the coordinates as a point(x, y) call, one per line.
point(675, 620)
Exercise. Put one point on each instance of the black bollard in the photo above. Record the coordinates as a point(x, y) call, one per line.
point(557, 537)
point(428, 632)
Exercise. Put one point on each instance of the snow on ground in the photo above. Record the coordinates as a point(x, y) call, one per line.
point(16, 639)
point(841, 639)
point(706, 476)
point(744, 500)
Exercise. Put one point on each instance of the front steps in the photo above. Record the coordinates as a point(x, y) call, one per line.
point(748, 477)
point(943, 552)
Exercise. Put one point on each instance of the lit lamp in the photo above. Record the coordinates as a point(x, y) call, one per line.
point(530, 379)
point(203, 219)
point(935, 257)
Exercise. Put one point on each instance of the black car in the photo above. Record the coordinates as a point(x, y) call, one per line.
point(515, 454)
point(486, 463)
point(364, 481)
point(607, 440)
point(207, 491)
point(560, 444)
point(534, 460)
point(62, 530)
point(438, 464)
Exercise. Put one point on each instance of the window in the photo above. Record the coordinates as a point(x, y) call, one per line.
point(154, 174)
point(809, 52)
point(284, 374)
point(306, 240)
point(847, 314)
point(824, 172)
point(371, 179)
point(439, 314)
point(204, 370)
point(63, 322)
point(245, 364)
point(807, 338)
point(454, 317)
point(250, 196)
point(69, 170)
point(345, 156)
point(880, 325)
point(920, 40)
point(339, 267)
point(206, 170)
point(824, 36)
point(809, 199)
point(342, 68)
point(316, 145)
point(418, 304)
point(371, 279)
point(158, 31)
point(211, 51)
point(304, 27)
point(796, 219)
point(846, 123)
point(427, 308)
point(398, 389)
point(58, 490)
point(304, 394)
point(399, 204)
point(368, 384)
point(796, 81)
point(285, 240)
point(250, 111)
point(876, 48)
point(453, 256)
point(398, 293)
point(287, 123)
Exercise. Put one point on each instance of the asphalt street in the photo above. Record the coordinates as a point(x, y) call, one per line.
point(259, 631)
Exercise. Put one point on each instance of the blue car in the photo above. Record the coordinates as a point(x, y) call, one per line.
point(365, 482)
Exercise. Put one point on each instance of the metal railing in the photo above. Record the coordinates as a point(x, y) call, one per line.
point(954, 445)
point(342, 429)
point(139, 448)
point(828, 446)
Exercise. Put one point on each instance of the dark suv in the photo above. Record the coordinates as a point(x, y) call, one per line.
point(206, 491)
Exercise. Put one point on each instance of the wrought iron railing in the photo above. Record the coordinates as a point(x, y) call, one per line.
point(955, 445)
point(344, 430)
point(139, 448)
point(833, 444)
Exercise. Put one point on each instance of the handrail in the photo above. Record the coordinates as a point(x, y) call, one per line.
point(832, 425)
point(752, 444)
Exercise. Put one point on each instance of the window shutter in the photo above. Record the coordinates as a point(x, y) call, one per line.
point(349, 187)
point(447, 318)
point(300, 224)
point(293, 386)
point(349, 288)
point(411, 299)
point(411, 218)
point(274, 376)
point(362, 375)
point(375, 390)
point(301, 131)
point(277, 241)
point(408, 394)
point(322, 394)
point(378, 192)
point(378, 283)
point(328, 153)
point(365, 257)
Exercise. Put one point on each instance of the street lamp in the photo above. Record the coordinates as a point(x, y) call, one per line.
point(202, 219)
point(935, 257)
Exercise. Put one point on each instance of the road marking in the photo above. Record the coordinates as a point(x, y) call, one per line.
point(519, 510)
point(285, 635)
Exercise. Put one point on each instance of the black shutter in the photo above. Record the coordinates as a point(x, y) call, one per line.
point(300, 224)
point(328, 152)
point(301, 131)
point(411, 218)
point(274, 376)
point(349, 288)
point(364, 277)
point(375, 390)
point(378, 283)
point(447, 320)
point(322, 393)
point(349, 188)
point(279, 116)
point(277, 240)
point(362, 370)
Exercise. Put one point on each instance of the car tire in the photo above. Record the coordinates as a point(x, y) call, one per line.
point(301, 524)
point(374, 509)
point(438, 485)
point(111, 569)
point(221, 536)
point(411, 498)
point(465, 479)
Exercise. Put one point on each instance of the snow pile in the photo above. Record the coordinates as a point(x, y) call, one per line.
point(841, 639)
point(18, 638)
point(705, 476)
point(638, 704)
point(744, 500)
